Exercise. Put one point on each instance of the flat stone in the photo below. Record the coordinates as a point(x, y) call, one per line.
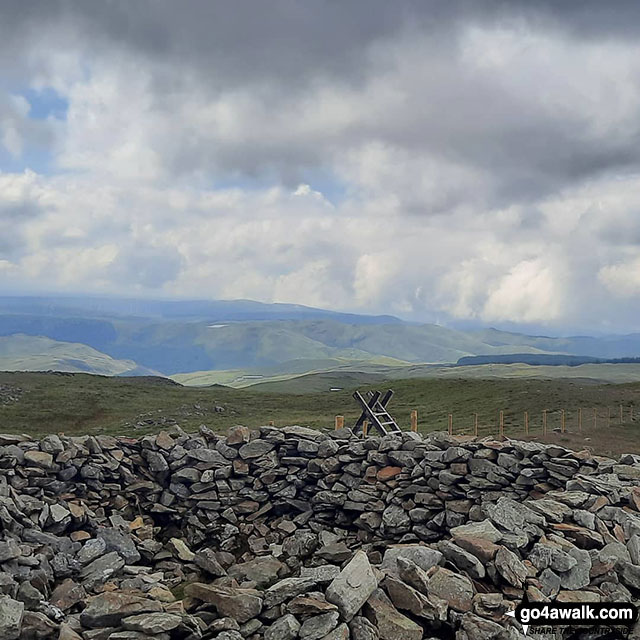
point(309, 606)
point(104, 567)
point(318, 627)
point(629, 574)
point(409, 599)
point(510, 567)
point(67, 594)
point(353, 586)
point(341, 632)
point(287, 589)
point(121, 543)
point(285, 628)
point(390, 623)
point(110, 608)
point(362, 629)
point(9, 550)
point(182, 550)
point(455, 589)
point(255, 449)
point(553, 510)
point(39, 459)
point(239, 604)
point(388, 473)
point(152, 623)
point(322, 575)
point(481, 548)
point(206, 559)
point(483, 529)
point(91, 550)
point(424, 557)
point(464, 560)
point(262, 570)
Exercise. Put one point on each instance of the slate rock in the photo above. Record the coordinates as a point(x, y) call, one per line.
point(285, 628)
point(353, 586)
point(11, 616)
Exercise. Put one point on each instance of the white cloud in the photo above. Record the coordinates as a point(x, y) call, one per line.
point(622, 279)
point(490, 174)
point(530, 292)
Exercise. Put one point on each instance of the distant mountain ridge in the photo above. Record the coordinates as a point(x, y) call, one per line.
point(175, 337)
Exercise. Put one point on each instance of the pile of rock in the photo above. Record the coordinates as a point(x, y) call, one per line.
point(292, 533)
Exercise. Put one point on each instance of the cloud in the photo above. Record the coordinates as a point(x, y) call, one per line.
point(465, 160)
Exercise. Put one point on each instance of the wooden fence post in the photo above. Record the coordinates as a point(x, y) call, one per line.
point(365, 428)
point(562, 422)
point(580, 420)
point(544, 422)
point(450, 424)
point(526, 422)
point(339, 422)
point(475, 425)
point(414, 421)
point(501, 423)
point(271, 423)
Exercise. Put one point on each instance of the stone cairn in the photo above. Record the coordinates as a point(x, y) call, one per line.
point(285, 533)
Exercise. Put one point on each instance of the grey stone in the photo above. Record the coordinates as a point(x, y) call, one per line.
point(110, 608)
point(123, 544)
point(285, 628)
point(462, 559)
point(483, 529)
point(152, 623)
point(317, 627)
point(455, 589)
point(255, 449)
point(424, 557)
point(287, 589)
point(510, 567)
point(353, 586)
point(11, 615)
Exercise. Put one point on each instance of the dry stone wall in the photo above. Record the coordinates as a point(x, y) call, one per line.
point(285, 533)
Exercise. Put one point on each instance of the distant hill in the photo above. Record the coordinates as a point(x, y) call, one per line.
point(35, 353)
point(214, 341)
point(210, 310)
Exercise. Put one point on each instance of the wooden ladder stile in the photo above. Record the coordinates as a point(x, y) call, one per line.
point(375, 412)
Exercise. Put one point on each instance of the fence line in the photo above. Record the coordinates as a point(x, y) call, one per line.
point(566, 424)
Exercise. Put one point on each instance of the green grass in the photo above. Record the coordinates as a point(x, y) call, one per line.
point(86, 404)
point(21, 352)
point(307, 376)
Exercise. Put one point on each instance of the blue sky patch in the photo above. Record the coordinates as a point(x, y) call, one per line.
point(38, 160)
point(46, 103)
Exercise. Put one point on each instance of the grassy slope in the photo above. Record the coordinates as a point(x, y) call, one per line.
point(80, 404)
point(239, 378)
point(36, 353)
point(307, 376)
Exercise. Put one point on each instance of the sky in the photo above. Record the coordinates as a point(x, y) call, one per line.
point(467, 162)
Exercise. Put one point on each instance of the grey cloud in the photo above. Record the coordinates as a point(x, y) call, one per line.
point(145, 266)
point(14, 219)
point(278, 51)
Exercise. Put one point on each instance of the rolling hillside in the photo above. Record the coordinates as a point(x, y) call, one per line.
point(202, 342)
point(28, 353)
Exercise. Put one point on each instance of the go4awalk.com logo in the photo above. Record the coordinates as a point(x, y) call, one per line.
point(614, 618)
